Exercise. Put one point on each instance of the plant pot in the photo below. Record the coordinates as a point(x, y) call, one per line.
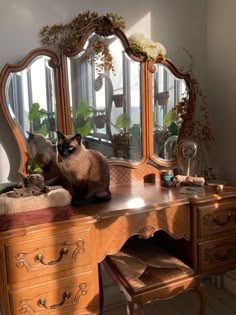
point(98, 83)
point(100, 121)
point(162, 98)
point(120, 144)
point(166, 178)
point(119, 100)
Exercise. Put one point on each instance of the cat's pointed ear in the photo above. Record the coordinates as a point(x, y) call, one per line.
point(78, 138)
point(30, 135)
point(60, 135)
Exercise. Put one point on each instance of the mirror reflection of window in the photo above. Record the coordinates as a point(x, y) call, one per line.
point(168, 90)
point(105, 104)
point(31, 97)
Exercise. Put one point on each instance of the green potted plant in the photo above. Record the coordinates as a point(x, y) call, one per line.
point(125, 140)
point(99, 118)
point(86, 117)
point(82, 118)
point(42, 120)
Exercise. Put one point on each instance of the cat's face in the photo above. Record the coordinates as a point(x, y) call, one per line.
point(68, 145)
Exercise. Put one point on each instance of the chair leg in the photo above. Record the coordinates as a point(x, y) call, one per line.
point(101, 293)
point(200, 299)
point(133, 308)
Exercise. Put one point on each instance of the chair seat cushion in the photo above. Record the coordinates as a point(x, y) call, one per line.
point(144, 265)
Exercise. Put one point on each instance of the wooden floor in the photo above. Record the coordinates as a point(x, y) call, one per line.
point(219, 302)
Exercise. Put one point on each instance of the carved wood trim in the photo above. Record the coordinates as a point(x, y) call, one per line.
point(125, 175)
point(114, 232)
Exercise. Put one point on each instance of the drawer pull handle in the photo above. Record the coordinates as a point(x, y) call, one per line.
point(214, 257)
point(218, 222)
point(230, 253)
point(40, 259)
point(42, 302)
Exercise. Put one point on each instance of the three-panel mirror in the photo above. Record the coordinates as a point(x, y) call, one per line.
point(108, 107)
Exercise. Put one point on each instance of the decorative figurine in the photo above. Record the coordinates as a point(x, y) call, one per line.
point(32, 185)
point(187, 153)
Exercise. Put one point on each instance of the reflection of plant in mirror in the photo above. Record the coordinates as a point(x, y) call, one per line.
point(67, 36)
point(135, 132)
point(122, 123)
point(33, 167)
point(174, 118)
point(143, 45)
point(82, 118)
point(127, 143)
point(86, 116)
point(42, 120)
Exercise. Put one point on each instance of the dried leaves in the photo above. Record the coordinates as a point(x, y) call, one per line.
point(68, 36)
point(193, 110)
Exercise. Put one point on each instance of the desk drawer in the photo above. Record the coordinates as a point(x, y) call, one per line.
point(63, 296)
point(42, 257)
point(217, 255)
point(217, 218)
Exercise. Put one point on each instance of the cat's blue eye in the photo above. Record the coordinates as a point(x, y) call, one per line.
point(70, 149)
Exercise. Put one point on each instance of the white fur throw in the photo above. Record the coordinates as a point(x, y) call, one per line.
point(56, 197)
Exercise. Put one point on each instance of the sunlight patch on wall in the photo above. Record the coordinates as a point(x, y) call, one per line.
point(143, 26)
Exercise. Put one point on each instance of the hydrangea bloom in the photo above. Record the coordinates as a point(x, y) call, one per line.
point(142, 44)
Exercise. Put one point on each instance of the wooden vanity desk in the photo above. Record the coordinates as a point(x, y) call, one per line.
point(49, 258)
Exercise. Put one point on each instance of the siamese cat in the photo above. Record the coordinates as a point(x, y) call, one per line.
point(87, 170)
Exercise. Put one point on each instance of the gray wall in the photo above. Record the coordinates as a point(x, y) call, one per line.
point(221, 57)
point(176, 24)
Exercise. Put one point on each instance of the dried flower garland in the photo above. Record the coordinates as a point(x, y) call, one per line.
point(198, 125)
point(66, 37)
point(192, 114)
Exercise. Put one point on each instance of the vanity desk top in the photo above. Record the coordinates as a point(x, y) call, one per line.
point(127, 199)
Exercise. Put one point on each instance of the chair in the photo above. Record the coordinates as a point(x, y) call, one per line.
point(145, 273)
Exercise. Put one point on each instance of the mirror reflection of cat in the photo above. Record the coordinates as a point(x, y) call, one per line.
point(86, 169)
point(43, 153)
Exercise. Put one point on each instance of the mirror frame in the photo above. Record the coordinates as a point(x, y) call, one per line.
point(151, 68)
point(4, 75)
